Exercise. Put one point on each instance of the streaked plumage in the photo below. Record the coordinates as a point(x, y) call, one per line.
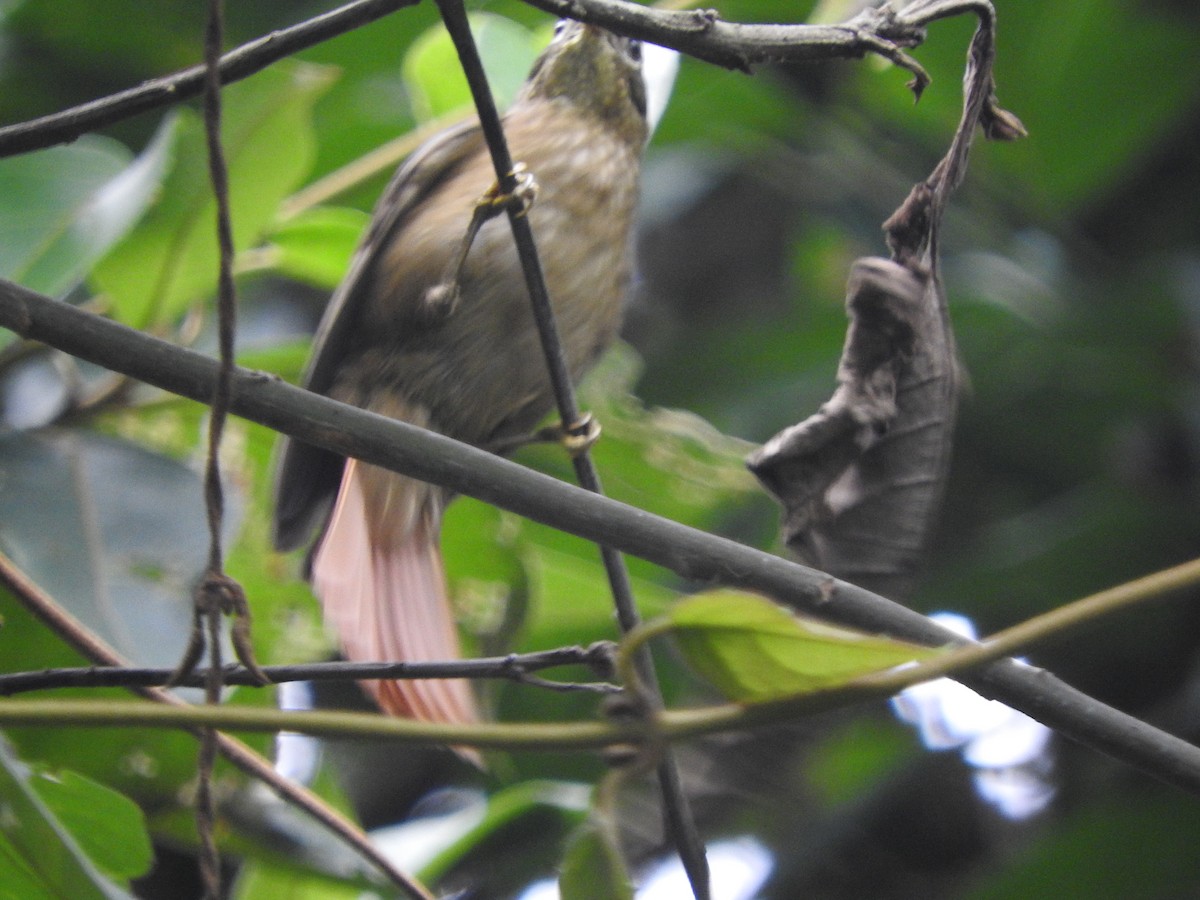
point(476, 373)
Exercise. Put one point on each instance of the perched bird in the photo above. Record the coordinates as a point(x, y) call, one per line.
point(422, 334)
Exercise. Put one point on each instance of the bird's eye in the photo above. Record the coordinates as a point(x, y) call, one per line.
point(560, 26)
point(635, 51)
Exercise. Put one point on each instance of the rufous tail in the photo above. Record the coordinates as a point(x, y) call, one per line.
point(383, 588)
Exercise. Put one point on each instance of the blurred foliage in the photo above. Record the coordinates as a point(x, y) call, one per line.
point(77, 838)
point(1072, 261)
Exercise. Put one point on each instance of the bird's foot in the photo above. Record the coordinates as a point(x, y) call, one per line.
point(520, 198)
point(577, 437)
point(441, 300)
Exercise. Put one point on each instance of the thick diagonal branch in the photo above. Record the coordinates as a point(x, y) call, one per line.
point(691, 553)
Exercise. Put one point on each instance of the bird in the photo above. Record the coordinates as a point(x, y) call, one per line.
point(422, 333)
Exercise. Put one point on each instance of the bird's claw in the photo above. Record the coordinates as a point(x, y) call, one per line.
point(441, 300)
point(577, 438)
point(580, 435)
point(520, 198)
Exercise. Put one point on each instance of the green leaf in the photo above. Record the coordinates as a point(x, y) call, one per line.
point(101, 524)
point(149, 766)
point(62, 209)
point(40, 848)
point(316, 246)
point(434, 77)
point(108, 825)
point(754, 650)
point(19, 880)
point(593, 867)
point(170, 260)
point(483, 550)
point(572, 593)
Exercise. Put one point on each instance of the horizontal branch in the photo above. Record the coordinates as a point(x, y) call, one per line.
point(647, 731)
point(324, 723)
point(702, 34)
point(515, 667)
point(658, 725)
point(699, 33)
point(693, 554)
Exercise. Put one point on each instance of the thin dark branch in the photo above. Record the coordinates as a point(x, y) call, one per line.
point(516, 667)
point(695, 555)
point(214, 496)
point(681, 825)
point(67, 125)
point(704, 35)
point(209, 856)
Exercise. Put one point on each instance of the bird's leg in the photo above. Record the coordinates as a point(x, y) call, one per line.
point(577, 437)
point(442, 299)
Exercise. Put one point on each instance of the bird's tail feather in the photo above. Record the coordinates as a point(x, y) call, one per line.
point(384, 594)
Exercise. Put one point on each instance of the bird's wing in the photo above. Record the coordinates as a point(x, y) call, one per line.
point(307, 477)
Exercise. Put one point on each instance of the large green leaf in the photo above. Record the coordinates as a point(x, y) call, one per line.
point(148, 765)
point(434, 76)
point(755, 650)
point(103, 526)
point(61, 209)
point(593, 867)
point(316, 245)
point(108, 826)
point(170, 261)
point(45, 855)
